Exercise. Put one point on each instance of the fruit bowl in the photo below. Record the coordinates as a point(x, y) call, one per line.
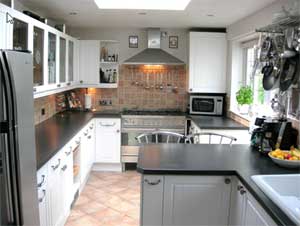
point(284, 162)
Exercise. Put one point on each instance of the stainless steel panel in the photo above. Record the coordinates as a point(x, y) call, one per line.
point(22, 70)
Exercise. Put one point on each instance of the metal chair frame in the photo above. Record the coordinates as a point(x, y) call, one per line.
point(168, 134)
point(191, 137)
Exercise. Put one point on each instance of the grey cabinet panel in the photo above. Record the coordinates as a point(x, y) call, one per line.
point(152, 200)
point(196, 200)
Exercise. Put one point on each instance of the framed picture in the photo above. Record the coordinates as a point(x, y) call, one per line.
point(173, 42)
point(133, 41)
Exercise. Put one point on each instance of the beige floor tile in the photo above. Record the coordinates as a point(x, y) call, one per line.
point(108, 199)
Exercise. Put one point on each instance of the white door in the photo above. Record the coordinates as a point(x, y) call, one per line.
point(43, 196)
point(108, 141)
point(207, 62)
point(255, 215)
point(237, 208)
point(84, 155)
point(89, 58)
point(67, 179)
point(55, 187)
point(196, 200)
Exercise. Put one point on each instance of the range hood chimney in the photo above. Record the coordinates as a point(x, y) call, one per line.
point(153, 55)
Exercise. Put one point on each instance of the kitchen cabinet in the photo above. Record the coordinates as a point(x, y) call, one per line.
point(108, 140)
point(89, 62)
point(245, 210)
point(43, 196)
point(196, 200)
point(152, 200)
point(55, 65)
point(207, 62)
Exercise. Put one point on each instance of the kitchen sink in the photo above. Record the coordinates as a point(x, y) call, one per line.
point(284, 190)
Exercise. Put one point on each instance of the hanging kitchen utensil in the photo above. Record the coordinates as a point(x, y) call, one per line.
point(271, 76)
point(266, 49)
point(289, 72)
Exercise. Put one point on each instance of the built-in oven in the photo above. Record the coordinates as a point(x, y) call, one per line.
point(133, 126)
point(207, 105)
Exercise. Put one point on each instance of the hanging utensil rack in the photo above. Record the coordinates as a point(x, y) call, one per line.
point(280, 25)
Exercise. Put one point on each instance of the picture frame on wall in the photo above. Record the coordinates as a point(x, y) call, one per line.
point(133, 41)
point(173, 42)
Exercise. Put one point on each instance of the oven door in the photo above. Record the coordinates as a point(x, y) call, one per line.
point(203, 105)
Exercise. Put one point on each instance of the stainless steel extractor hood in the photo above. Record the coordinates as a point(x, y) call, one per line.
point(154, 55)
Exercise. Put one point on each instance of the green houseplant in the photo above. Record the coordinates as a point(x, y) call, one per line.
point(244, 98)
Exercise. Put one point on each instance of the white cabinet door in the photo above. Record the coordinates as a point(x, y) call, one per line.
point(89, 58)
point(108, 140)
point(196, 200)
point(152, 200)
point(237, 204)
point(91, 144)
point(5, 29)
point(255, 215)
point(55, 187)
point(84, 157)
point(207, 62)
point(43, 196)
point(67, 179)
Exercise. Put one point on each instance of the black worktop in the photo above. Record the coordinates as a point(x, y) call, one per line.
point(215, 122)
point(54, 133)
point(208, 159)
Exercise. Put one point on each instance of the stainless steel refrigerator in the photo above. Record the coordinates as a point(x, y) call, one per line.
point(18, 188)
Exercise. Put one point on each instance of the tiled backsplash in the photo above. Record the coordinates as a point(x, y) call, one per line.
point(145, 87)
point(46, 104)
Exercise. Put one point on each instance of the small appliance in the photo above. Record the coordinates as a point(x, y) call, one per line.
point(206, 104)
point(273, 133)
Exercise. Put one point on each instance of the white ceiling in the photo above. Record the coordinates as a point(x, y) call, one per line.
point(88, 15)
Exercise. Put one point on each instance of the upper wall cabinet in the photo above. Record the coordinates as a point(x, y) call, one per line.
point(99, 65)
point(55, 54)
point(207, 62)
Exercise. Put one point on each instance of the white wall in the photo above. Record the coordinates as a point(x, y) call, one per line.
point(122, 35)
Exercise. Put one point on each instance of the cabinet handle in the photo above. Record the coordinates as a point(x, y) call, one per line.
point(191, 89)
point(92, 127)
point(42, 182)
point(239, 187)
point(89, 137)
point(108, 125)
point(227, 181)
point(152, 183)
point(58, 85)
point(81, 81)
point(44, 195)
point(64, 168)
point(242, 192)
point(77, 142)
point(85, 134)
point(69, 152)
point(34, 89)
point(55, 167)
point(69, 83)
point(118, 131)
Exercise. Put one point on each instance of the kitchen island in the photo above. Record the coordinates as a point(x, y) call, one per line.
point(186, 184)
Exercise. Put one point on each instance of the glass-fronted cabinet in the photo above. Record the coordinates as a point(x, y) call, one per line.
point(62, 60)
point(20, 35)
point(51, 58)
point(71, 61)
point(38, 56)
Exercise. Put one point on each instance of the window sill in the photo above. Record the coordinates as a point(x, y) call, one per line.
point(237, 113)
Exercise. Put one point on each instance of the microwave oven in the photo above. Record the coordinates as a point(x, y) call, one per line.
point(207, 105)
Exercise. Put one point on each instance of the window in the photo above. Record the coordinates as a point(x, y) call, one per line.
point(254, 78)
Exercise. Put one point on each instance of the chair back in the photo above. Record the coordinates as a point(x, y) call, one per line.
point(210, 138)
point(160, 137)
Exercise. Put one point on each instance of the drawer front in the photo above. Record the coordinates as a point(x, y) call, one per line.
point(108, 124)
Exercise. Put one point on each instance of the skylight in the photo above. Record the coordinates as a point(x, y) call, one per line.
point(143, 4)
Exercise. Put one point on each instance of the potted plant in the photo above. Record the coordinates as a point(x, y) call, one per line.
point(244, 98)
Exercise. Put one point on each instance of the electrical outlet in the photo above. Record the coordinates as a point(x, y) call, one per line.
point(43, 111)
point(105, 102)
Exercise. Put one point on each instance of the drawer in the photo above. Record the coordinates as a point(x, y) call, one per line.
point(108, 124)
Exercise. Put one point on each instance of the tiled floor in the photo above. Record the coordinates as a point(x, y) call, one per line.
point(108, 199)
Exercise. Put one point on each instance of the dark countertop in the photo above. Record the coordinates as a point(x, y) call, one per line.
point(54, 133)
point(208, 159)
point(214, 122)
